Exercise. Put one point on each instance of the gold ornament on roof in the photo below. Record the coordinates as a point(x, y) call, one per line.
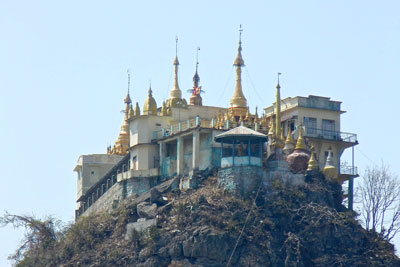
point(248, 115)
point(289, 138)
point(312, 163)
point(150, 105)
point(131, 112)
point(300, 141)
point(137, 109)
point(271, 132)
point(163, 109)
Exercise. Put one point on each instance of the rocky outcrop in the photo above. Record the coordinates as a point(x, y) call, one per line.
point(279, 225)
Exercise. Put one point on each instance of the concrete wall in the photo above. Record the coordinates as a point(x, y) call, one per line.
point(205, 112)
point(243, 180)
point(91, 168)
point(119, 191)
point(107, 201)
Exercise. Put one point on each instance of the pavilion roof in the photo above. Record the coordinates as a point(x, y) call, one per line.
point(241, 133)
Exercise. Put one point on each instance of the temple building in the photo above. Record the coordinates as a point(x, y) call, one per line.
point(175, 140)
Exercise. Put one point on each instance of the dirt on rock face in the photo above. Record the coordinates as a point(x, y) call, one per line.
point(279, 226)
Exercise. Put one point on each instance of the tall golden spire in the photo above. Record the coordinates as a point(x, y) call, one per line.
point(176, 92)
point(278, 110)
point(238, 99)
point(122, 143)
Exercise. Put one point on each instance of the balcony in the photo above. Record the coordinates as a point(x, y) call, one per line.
point(348, 170)
point(331, 135)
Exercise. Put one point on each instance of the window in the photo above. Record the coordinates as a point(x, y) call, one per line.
point(290, 127)
point(92, 172)
point(134, 163)
point(328, 129)
point(311, 125)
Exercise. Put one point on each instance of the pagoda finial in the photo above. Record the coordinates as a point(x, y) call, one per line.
point(278, 109)
point(127, 99)
point(300, 141)
point(196, 78)
point(238, 99)
point(272, 131)
point(176, 93)
point(312, 163)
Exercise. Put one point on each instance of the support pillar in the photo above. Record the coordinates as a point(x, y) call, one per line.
point(351, 182)
point(179, 155)
point(163, 150)
point(222, 149)
point(196, 150)
point(249, 151)
point(233, 153)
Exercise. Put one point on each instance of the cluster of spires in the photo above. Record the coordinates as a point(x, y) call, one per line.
point(237, 114)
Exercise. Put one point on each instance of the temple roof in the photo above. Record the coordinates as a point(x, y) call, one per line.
point(241, 133)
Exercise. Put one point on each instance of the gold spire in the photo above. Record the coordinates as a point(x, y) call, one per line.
point(122, 143)
point(300, 141)
point(176, 99)
point(329, 170)
point(282, 136)
point(127, 99)
point(195, 98)
point(312, 163)
point(131, 112)
point(163, 109)
point(271, 132)
point(150, 105)
point(289, 138)
point(137, 109)
point(278, 110)
point(238, 99)
point(248, 115)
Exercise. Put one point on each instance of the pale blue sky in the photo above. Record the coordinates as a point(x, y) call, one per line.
point(63, 77)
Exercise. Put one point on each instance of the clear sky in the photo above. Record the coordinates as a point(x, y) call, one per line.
point(63, 77)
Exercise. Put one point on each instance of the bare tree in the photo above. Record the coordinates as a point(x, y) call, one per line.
point(40, 235)
point(379, 194)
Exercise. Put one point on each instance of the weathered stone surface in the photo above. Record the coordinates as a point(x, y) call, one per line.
point(278, 169)
point(208, 243)
point(152, 262)
point(155, 195)
point(145, 253)
point(146, 210)
point(243, 180)
point(175, 250)
point(138, 226)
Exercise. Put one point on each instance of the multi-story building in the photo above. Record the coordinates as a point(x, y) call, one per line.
point(177, 139)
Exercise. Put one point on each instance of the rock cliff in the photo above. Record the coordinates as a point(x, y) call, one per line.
point(284, 225)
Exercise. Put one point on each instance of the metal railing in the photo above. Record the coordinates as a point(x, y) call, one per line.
point(330, 135)
point(349, 170)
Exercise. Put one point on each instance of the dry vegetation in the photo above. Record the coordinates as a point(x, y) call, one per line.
point(284, 226)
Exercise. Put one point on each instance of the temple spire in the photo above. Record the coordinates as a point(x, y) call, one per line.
point(127, 99)
point(196, 77)
point(195, 98)
point(278, 109)
point(238, 99)
point(176, 92)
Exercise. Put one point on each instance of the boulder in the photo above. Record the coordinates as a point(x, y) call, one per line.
point(146, 210)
